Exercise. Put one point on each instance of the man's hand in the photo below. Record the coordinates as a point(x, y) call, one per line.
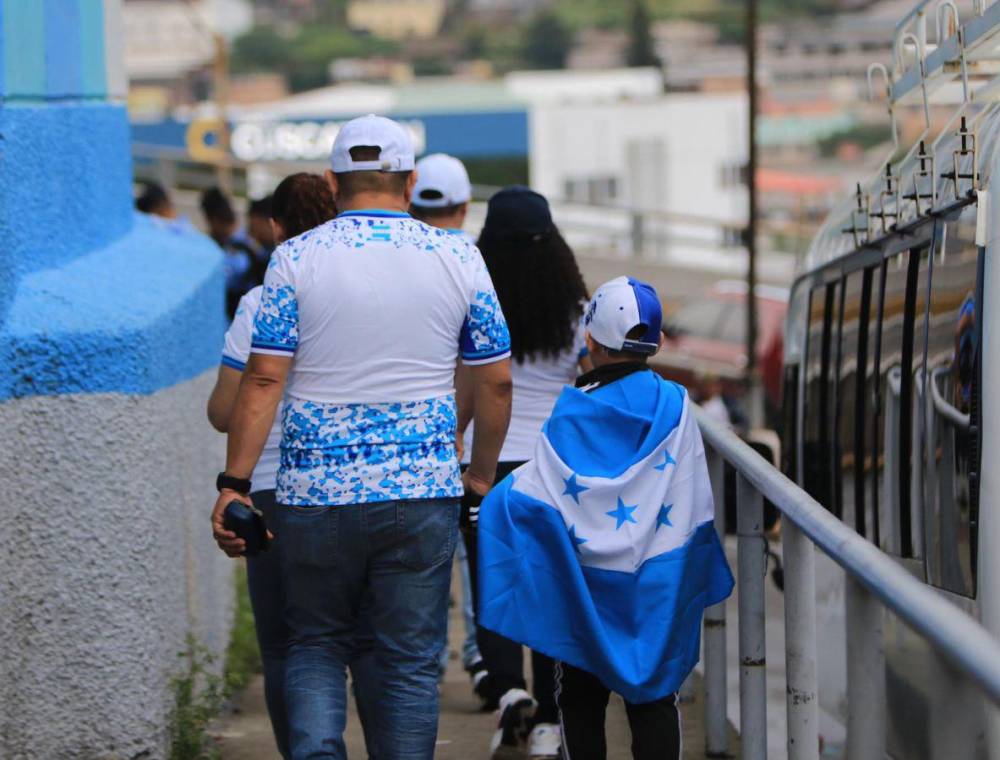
point(226, 539)
point(472, 483)
point(475, 489)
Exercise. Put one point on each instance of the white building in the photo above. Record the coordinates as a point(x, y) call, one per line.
point(681, 154)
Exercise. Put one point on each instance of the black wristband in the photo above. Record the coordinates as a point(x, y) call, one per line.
point(240, 485)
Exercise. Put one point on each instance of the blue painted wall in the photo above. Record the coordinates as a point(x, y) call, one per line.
point(93, 297)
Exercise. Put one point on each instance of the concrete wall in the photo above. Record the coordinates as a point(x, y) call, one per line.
point(107, 565)
point(110, 329)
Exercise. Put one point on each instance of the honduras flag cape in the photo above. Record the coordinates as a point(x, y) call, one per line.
point(601, 551)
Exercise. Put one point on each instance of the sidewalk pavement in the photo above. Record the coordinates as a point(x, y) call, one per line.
point(464, 732)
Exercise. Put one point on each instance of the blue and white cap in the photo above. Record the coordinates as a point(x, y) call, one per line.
point(617, 308)
point(393, 141)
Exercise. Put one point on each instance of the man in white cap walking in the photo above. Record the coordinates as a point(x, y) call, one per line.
point(441, 199)
point(363, 319)
point(442, 193)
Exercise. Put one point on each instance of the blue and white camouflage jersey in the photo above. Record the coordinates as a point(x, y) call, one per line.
point(375, 308)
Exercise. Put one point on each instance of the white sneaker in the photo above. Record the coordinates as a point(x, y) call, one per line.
point(544, 741)
point(516, 709)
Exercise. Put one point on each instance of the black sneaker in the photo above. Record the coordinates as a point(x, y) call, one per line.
point(482, 686)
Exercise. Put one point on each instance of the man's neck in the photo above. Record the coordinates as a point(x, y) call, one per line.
point(386, 201)
point(453, 222)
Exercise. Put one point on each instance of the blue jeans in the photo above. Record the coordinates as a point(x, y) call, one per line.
point(396, 557)
point(267, 598)
point(470, 649)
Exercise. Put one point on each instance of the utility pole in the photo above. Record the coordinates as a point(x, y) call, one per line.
point(753, 395)
point(220, 89)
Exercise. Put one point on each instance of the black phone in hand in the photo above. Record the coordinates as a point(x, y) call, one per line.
point(247, 522)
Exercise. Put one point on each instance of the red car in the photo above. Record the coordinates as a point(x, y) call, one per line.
point(706, 338)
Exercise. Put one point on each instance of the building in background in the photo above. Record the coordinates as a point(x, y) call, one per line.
point(611, 137)
point(397, 19)
point(169, 47)
point(283, 11)
point(494, 9)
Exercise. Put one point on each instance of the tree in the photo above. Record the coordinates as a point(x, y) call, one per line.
point(303, 54)
point(640, 39)
point(547, 42)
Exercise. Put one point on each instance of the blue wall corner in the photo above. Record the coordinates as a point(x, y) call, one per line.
point(141, 314)
point(65, 185)
point(93, 297)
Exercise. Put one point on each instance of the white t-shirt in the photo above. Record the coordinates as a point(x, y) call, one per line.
point(537, 384)
point(235, 353)
point(375, 307)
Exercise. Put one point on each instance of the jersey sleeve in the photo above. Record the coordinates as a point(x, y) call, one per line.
point(236, 348)
point(485, 337)
point(276, 328)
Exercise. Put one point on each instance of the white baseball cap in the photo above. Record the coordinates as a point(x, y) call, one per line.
point(617, 308)
point(441, 181)
point(393, 141)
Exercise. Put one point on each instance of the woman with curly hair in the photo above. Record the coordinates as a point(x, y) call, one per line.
point(301, 202)
point(542, 295)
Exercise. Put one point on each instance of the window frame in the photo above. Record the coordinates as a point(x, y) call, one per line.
point(874, 259)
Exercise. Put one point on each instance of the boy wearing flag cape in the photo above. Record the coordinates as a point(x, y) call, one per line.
point(601, 551)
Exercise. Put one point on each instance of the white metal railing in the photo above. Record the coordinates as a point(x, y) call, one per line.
point(874, 582)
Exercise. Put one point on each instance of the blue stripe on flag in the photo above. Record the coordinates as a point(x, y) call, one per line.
point(634, 414)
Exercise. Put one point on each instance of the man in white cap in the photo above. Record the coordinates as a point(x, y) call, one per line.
point(441, 199)
point(442, 193)
point(364, 318)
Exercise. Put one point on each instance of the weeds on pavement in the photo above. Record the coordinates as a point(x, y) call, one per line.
point(200, 693)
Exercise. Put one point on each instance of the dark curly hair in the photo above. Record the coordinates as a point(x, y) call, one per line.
point(302, 201)
point(540, 289)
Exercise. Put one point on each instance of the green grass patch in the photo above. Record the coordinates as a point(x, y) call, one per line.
point(199, 693)
point(199, 696)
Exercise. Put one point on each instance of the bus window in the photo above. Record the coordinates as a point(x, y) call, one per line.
point(918, 397)
point(951, 464)
point(789, 411)
point(817, 449)
point(871, 403)
point(895, 405)
point(850, 425)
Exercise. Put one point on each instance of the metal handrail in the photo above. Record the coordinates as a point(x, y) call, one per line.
point(874, 581)
point(956, 635)
point(945, 409)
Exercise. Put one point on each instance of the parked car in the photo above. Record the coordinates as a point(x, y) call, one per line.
point(706, 341)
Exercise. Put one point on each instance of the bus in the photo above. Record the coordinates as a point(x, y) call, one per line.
point(892, 340)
